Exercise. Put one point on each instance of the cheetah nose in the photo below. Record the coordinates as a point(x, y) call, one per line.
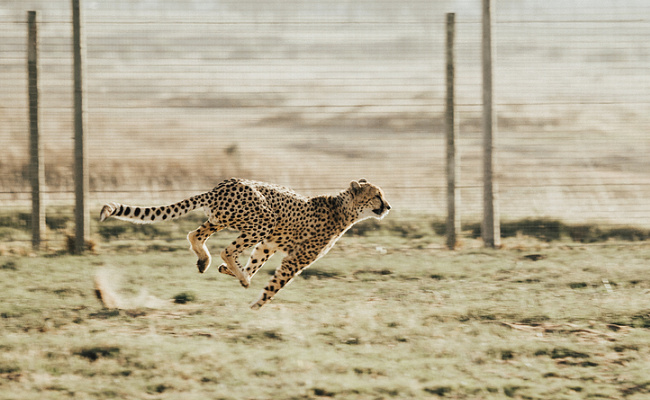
point(387, 206)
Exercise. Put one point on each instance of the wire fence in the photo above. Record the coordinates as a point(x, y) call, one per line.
point(314, 94)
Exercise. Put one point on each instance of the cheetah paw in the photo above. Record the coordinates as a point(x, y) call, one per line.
point(203, 264)
point(223, 268)
point(245, 283)
point(243, 279)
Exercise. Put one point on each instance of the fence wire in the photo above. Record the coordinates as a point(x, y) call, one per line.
point(314, 94)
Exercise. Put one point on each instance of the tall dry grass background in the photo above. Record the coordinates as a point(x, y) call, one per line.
point(314, 94)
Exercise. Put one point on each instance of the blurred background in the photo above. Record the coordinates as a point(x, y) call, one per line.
point(312, 94)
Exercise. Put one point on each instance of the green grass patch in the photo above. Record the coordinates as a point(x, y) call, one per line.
point(96, 352)
point(549, 230)
point(543, 229)
point(185, 297)
point(412, 229)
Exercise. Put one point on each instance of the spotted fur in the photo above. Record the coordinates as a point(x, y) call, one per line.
point(270, 217)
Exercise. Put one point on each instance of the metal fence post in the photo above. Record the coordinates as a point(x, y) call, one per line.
point(82, 223)
point(451, 130)
point(491, 231)
point(36, 164)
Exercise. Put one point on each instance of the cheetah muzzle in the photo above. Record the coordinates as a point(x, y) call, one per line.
point(270, 217)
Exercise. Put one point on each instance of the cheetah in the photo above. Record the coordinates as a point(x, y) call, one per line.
point(270, 217)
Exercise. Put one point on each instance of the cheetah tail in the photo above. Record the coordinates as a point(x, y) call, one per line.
point(107, 211)
point(148, 215)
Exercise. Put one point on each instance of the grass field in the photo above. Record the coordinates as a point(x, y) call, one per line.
point(311, 95)
point(384, 315)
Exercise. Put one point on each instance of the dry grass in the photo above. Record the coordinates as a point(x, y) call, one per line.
point(312, 107)
point(399, 321)
point(176, 105)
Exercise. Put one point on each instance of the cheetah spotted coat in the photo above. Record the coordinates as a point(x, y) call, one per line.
point(270, 217)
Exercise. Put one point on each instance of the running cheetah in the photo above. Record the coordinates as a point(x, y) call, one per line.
point(272, 218)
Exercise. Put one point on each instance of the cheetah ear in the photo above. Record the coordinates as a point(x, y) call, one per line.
point(355, 187)
point(362, 180)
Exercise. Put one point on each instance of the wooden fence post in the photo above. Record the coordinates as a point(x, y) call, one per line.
point(451, 129)
point(36, 164)
point(82, 223)
point(491, 231)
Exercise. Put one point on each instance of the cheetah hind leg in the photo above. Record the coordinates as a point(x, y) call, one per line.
point(197, 241)
point(260, 254)
point(231, 254)
point(223, 268)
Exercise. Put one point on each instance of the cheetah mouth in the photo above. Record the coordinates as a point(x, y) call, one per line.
point(382, 210)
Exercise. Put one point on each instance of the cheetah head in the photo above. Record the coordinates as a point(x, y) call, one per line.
point(369, 200)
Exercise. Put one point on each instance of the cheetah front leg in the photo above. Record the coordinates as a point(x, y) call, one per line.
point(288, 270)
point(197, 241)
